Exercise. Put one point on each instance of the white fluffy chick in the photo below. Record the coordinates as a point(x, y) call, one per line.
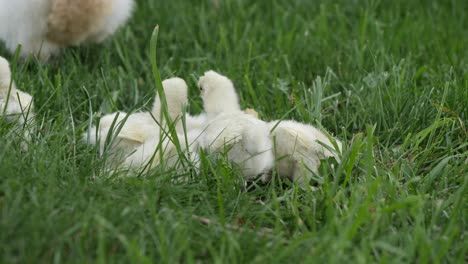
point(136, 137)
point(244, 137)
point(42, 27)
point(18, 105)
point(119, 134)
point(175, 90)
point(299, 149)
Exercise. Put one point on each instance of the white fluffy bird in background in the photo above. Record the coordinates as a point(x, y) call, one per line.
point(18, 105)
point(42, 27)
point(244, 137)
point(299, 149)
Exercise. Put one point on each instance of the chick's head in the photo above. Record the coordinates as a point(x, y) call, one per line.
point(218, 94)
point(175, 90)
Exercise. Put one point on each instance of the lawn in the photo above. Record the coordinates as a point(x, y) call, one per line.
point(389, 78)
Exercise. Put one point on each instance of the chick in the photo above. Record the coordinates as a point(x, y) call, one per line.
point(43, 27)
point(228, 129)
point(119, 134)
point(299, 149)
point(134, 138)
point(175, 90)
point(18, 105)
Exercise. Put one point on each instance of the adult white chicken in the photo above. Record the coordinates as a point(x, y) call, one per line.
point(43, 27)
point(243, 137)
point(131, 140)
point(15, 105)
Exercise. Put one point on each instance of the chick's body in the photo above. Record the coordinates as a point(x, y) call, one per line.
point(245, 140)
point(299, 148)
point(124, 132)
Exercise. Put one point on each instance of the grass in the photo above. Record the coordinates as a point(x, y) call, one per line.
point(387, 77)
